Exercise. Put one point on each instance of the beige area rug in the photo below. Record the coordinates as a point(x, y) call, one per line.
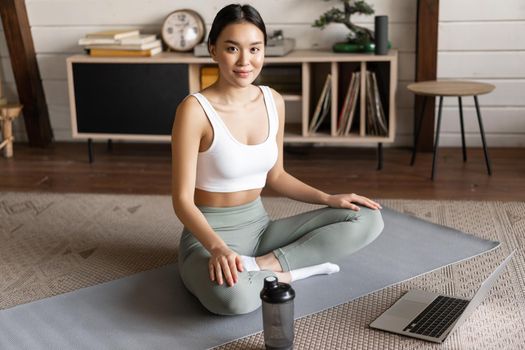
point(56, 243)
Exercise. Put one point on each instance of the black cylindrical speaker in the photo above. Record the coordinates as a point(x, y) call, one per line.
point(381, 35)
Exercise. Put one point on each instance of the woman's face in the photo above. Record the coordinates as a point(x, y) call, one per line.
point(239, 52)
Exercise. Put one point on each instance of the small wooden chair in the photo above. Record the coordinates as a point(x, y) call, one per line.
point(449, 88)
point(7, 114)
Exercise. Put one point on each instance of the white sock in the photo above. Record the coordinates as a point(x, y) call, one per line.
point(321, 269)
point(249, 263)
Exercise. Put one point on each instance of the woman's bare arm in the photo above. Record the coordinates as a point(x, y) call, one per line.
point(188, 129)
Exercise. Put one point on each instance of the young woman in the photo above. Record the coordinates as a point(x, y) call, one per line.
point(227, 144)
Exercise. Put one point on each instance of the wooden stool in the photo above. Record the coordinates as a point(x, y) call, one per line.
point(7, 114)
point(449, 88)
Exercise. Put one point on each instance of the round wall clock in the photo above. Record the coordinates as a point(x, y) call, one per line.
point(183, 29)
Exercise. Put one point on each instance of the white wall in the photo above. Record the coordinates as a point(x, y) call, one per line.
point(478, 40)
point(484, 40)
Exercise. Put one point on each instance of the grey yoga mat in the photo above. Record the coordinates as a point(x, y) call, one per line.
point(152, 309)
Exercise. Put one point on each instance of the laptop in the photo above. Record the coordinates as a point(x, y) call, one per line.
point(431, 316)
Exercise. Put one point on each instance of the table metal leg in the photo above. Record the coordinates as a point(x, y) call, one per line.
point(90, 150)
point(418, 124)
point(436, 144)
point(482, 132)
point(380, 156)
point(462, 129)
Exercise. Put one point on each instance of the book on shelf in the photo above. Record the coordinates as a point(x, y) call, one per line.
point(132, 40)
point(146, 46)
point(353, 103)
point(209, 75)
point(370, 111)
point(346, 116)
point(114, 34)
point(322, 108)
point(383, 125)
point(124, 53)
point(344, 108)
point(375, 116)
point(138, 39)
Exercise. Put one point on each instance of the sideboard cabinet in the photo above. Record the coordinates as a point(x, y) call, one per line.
point(131, 98)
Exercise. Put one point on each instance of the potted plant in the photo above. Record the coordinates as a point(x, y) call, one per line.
point(359, 39)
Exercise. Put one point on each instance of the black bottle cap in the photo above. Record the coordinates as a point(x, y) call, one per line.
point(275, 292)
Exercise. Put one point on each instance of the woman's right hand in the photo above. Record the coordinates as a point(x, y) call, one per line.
point(224, 264)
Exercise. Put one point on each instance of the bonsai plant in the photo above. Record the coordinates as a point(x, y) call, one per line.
point(359, 38)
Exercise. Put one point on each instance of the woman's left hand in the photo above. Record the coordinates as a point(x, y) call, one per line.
point(347, 201)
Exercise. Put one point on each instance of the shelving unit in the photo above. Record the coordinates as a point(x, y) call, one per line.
point(313, 66)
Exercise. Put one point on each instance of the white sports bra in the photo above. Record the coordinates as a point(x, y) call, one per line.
point(229, 165)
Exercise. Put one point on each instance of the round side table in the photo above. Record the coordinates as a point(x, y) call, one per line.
point(453, 88)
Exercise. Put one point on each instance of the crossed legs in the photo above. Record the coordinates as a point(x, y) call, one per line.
point(285, 245)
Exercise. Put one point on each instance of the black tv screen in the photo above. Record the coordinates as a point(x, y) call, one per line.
point(128, 98)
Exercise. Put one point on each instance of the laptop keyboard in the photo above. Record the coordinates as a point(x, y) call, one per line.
point(437, 317)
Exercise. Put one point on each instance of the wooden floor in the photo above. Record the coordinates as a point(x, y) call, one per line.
point(145, 169)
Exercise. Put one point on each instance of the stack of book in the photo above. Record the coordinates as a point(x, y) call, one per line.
point(322, 109)
point(122, 43)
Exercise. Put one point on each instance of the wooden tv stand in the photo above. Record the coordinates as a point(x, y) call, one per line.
point(129, 98)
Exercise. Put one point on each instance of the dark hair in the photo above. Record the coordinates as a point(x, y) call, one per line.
point(235, 13)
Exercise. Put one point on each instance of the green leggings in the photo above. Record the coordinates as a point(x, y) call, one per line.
point(315, 237)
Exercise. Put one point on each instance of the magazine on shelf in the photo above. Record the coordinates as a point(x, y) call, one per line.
point(343, 115)
point(348, 111)
point(325, 110)
point(353, 104)
point(322, 105)
point(375, 116)
point(380, 112)
point(370, 110)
